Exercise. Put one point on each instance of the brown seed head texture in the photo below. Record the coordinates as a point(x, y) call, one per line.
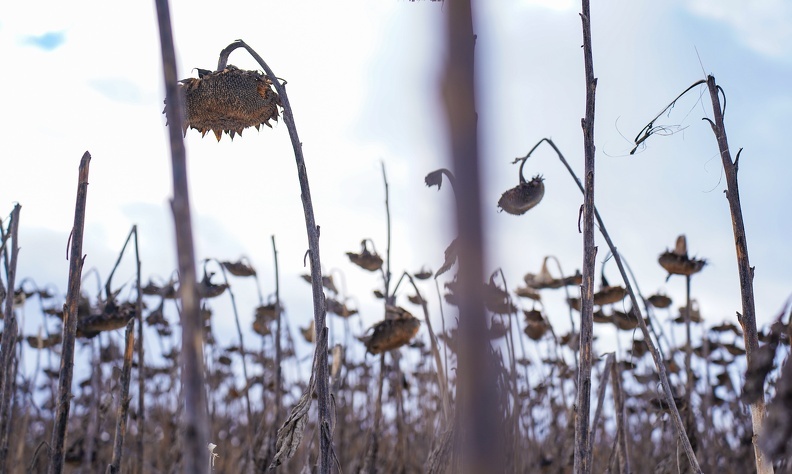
point(393, 332)
point(229, 101)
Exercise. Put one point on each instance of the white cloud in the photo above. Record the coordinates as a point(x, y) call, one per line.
point(763, 25)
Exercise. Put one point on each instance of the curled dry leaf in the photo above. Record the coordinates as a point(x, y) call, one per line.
point(290, 434)
point(523, 197)
point(625, 321)
point(423, 274)
point(695, 313)
point(498, 300)
point(228, 101)
point(39, 342)
point(309, 333)
point(528, 292)
point(450, 258)
point(498, 329)
point(207, 289)
point(533, 316)
point(339, 309)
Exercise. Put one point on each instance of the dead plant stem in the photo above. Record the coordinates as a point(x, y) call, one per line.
point(9, 339)
point(196, 418)
point(583, 452)
point(322, 379)
point(746, 272)
point(76, 261)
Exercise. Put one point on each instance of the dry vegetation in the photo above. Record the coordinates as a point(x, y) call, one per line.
point(672, 396)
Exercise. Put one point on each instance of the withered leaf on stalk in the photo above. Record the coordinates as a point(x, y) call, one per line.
point(497, 299)
point(423, 274)
point(207, 289)
point(291, 432)
point(760, 365)
point(450, 258)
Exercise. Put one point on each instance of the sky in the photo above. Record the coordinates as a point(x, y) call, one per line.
point(362, 80)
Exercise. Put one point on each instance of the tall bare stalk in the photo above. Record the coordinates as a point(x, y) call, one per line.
point(583, 453)
point(76, 260)
point(196, 419)
point(479, 415)
point(748, 317)
point(9, 339)
point(746, 272)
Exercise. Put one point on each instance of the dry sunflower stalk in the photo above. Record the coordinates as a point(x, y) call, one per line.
point(228, 101)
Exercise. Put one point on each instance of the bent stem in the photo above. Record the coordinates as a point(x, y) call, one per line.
point(322, 381)
point(656, 355)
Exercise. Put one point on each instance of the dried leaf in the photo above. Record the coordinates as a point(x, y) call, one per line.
point(450, 258)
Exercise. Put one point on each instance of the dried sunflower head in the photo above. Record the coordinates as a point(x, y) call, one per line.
point(609, 295)
point(228, 101)
point(660, 300)
point(677, 262)
point(366, 259)
point(391, 334)
point(523, 197)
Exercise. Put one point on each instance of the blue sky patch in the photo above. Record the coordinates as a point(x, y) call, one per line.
point(48, 41)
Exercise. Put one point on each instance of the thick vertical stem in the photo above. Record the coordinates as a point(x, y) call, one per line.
point(583, 454)
point(746, 272)
point(479, 414)
point(76, 261)
point(196, 418)
point(8, 375)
